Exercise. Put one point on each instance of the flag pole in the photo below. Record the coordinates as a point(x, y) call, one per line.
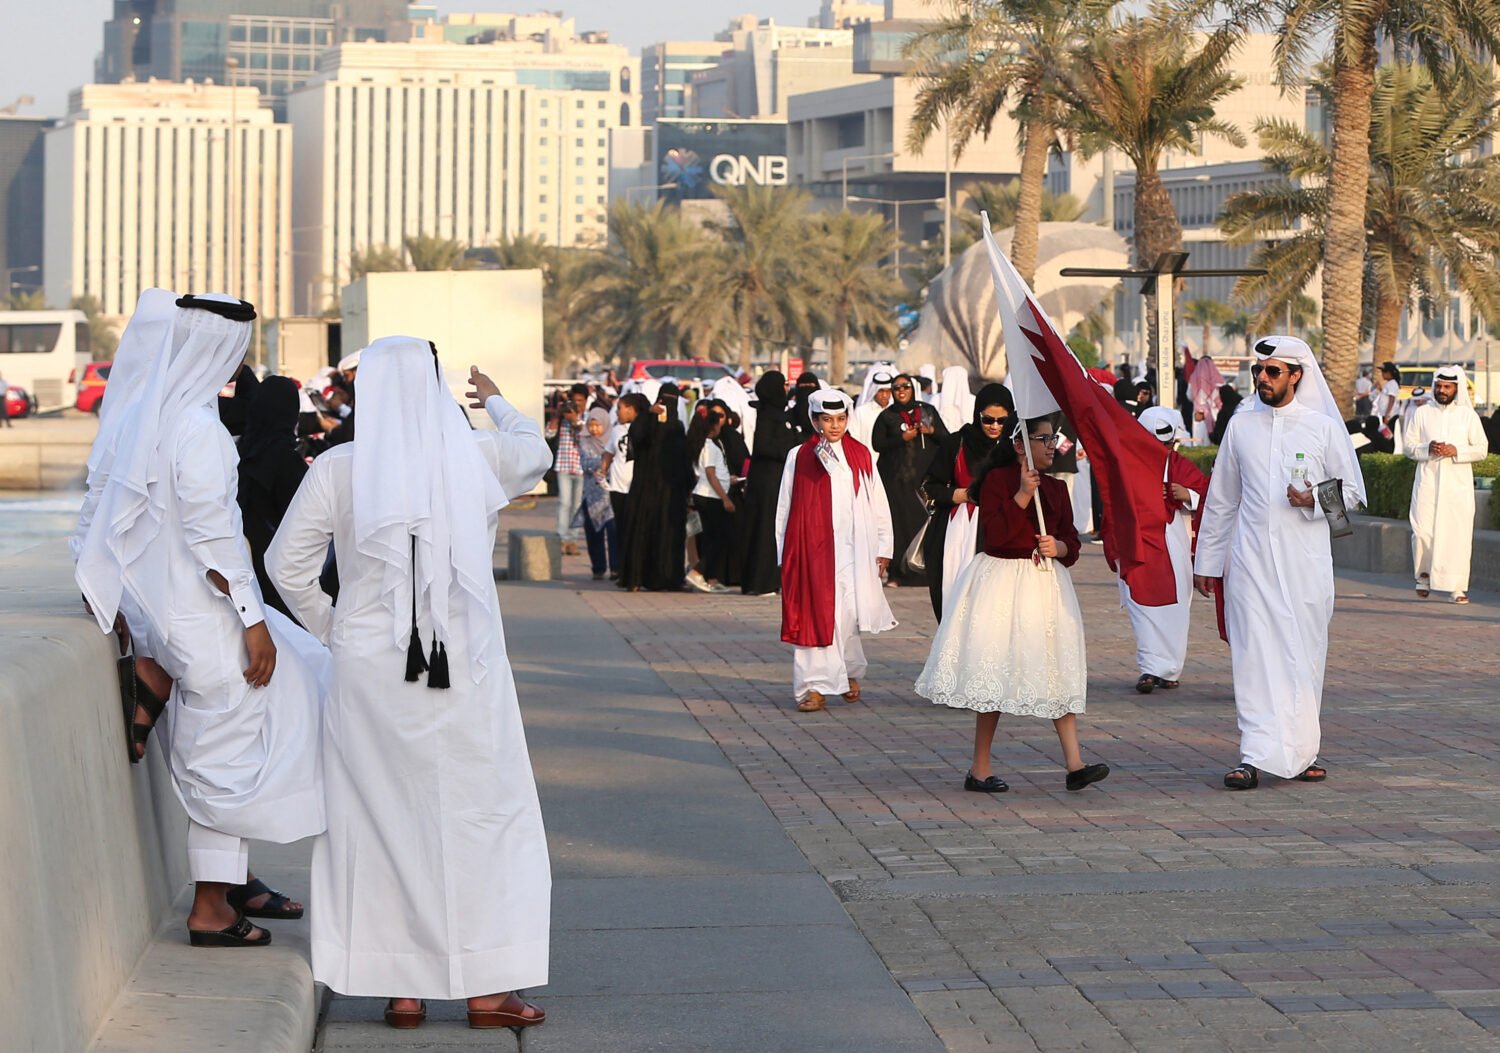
point(1036, 498)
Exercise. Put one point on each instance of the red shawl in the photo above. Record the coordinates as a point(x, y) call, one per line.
point(807, 564)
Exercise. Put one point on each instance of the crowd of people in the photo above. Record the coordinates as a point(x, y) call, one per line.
point(311, 615)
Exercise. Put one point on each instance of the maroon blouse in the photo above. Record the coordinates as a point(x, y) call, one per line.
point(1008, 531)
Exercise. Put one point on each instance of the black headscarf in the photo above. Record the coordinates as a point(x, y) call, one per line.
point(982, 452)
point(771, 431)
point(802, 394)
point(234, 412)
point(269, 442)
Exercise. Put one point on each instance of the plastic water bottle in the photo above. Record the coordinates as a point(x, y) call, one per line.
point(1299, 472)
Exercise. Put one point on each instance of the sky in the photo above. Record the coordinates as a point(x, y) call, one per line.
point(48, 49)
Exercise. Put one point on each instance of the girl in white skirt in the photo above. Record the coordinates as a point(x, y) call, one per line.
point(1011, 638)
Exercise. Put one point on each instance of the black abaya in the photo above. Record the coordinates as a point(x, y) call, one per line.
point(653, 552)
point(903, 466)
point(270, 471)
point(774, 439)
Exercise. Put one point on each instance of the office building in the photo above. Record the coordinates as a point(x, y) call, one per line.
point(272, 45)
point(765, 64)
point(469, 142)
point(183, 186)
point(666, 70)
point(21, 201)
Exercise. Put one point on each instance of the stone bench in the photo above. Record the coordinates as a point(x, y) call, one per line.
point(1383, 546)
point(533, 555)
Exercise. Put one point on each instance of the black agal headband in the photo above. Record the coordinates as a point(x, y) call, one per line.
point(240, 311)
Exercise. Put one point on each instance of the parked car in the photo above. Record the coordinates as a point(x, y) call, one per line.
point(91, 386)
point(681, 368)
point(18, 402)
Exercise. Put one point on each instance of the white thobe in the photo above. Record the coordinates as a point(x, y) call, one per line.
point(245, 761)
point(1161, 633)
point(862, 425)
point(1442, 496)
point(861, 534)
point(1276, 563)
point(433, 879)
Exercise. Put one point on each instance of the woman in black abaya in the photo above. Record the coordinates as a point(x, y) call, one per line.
point(653, 552)
point(907, 435)
point(775, 437)
point(271, 469)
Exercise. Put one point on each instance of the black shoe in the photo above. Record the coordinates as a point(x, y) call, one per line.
point(1242, 777)
point(1146, 684)
point(992, 784)
point(1077, 780)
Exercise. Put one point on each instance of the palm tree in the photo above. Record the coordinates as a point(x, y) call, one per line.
point(377, 259)
point(859, 292)
point(985, 57)
point(1143, 87)
point(428, 252)
point(1241, 325)
point(569, 323)
point(1002, 202)
point(650, 277)
point(31, 300)
point(766, 265)
point(521, 252)
point(1445, 33)
point(1431, 203)
point(1207, 313)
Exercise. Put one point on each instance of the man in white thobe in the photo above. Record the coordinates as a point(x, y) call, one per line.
point(834, 540)
point(1161, 633)
point(877, 398)
point(433, 880)
point(165, 539)
point(1263, 540)
point(1446, 438)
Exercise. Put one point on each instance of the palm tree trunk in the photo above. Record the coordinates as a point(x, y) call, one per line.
point(1344, 241)
point(1026, 241)
point(747, 311)
point(1156, 231)
point(1203, 348)
point(838, 339)
point(1388, 307)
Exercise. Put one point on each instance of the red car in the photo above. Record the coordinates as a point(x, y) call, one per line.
point(681, 368)
point(91, 387)
point(18, 402)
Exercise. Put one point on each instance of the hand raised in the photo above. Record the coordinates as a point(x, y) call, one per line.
point(481, 389)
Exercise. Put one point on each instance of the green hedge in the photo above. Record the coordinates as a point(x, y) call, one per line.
point(1388, 479)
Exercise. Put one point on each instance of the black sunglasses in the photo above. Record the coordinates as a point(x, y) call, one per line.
point(900, 387)
point(987, 419)
point(1272, 371)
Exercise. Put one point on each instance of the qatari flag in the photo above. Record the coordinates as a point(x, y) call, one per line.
point(1128, 461)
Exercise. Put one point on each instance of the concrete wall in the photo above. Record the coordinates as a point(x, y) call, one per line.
point(491, 319)
point(91, 849)
point(1383, 546)
point(43, 465)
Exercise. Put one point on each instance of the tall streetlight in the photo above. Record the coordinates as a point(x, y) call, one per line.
point(648, 189)
point(896, 204)
point(10, 272)
point(232, 64)
point(862, 157)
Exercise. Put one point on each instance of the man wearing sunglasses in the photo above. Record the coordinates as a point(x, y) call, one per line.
point(1262, 542)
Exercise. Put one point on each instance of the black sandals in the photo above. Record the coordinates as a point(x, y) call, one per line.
point(134, 694)
point(236, 935)
point(989, 784)
point(1244, 777)
point(276, 907)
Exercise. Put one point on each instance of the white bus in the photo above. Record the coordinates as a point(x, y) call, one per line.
point(44, 352)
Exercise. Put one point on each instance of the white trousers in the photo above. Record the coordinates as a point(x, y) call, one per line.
point(827, 670)
point(213, 856)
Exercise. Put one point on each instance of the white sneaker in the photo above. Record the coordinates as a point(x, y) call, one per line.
point(697, 581)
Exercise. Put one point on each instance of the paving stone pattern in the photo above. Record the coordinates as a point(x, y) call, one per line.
point(1155, 911)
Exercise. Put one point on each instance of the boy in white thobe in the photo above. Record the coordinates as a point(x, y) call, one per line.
point(834, 540)
point(1445, 439)
point(1161, 633)
point(1263, 540)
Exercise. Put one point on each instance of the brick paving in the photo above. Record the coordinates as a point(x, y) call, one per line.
point(1154, 911)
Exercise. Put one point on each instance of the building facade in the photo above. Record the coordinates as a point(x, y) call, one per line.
point(765, 64)
point(22, 196)
point(182, 186)
point(667, 69)
point(470, 142)
point(272, 45)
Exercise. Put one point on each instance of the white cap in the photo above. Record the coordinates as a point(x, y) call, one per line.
point(349, 362)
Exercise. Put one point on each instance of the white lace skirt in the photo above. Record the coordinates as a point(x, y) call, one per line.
point(1011, 641)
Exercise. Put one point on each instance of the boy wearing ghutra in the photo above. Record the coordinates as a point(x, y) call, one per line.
point(834, 540)
point(1264, 543)
point(164, 543)
point(433, 880)
point(1445, 439)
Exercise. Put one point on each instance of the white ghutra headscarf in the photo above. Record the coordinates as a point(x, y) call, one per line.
point(1312, 392)
point(197, 355)
point(423, 499)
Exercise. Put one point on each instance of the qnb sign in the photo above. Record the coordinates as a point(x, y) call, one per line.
point(739, 169)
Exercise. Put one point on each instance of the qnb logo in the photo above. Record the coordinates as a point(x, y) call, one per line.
point(737, 170)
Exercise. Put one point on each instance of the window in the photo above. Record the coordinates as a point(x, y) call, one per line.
point(543, 123)
point(602, 104)
point(578, 200)
point(577, 104)
point(578, 143)
point(578, 218)
point(543, 199)
point(29, 339)
point(578, 180)
point(578, 124)
point(624, 115)
point(601, 122)
point(541, 179)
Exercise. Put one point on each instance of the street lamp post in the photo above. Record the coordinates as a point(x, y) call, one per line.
point(896, 204)
point(10, 272)
point(232, 64)
point(648, 189)
point(862, 157)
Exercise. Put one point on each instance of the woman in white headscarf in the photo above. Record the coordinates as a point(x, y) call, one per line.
point(433, 880)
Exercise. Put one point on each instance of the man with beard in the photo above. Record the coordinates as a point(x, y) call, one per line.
point(871, 405)
point(1263, 542)
point(907, 435)
point(1445, 439)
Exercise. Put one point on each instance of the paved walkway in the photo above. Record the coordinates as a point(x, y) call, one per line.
point(1155, 911)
